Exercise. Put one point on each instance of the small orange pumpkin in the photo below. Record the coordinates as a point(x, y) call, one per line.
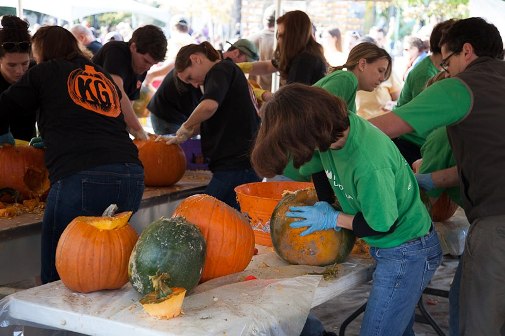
point(23, 169)
point(229, 237)
point(164, 164)
point(443, 208)
point(93, 252)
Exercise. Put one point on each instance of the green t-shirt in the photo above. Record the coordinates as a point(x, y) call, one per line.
point(369, 175)
point(342, 84)
point(437, 155)
point(442, 104)
point(414, 85)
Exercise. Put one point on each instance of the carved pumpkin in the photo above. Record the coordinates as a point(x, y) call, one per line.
point(164, 164)
point(93, 252)
point(164, 302)
point(229, 237)
point(23, 169)
point(320, 248)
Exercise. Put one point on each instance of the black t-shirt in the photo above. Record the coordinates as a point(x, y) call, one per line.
point(21, 126)
point(115, 57)
point(306, 68)
point(228, 136)
point(174, 103)
point(79, 117)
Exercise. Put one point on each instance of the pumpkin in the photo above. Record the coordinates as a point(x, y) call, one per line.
point(93, 252)
point(229, 237)
point(24, 171)
point(140, 105)
point(163, 302)
point(320, 248)
point(164, 164)
point(441, 208)
point(171, 247)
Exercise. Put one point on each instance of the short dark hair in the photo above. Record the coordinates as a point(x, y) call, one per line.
point(436, 35)
point(150, 40)
point(483, 36)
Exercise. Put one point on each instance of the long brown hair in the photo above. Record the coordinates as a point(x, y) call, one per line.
point(55, 42)
point(370, 52)
point(183, 60)
point(298, 120)
point(298, 37)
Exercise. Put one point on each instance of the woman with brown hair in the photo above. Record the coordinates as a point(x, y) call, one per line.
point(15, 52)
point(226, 118)
point(298, 57)
point(91, 159)
point(374, 186)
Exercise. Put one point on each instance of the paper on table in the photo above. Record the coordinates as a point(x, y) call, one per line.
point(258, 307)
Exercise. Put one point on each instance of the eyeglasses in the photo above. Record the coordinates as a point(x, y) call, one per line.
point(445, 62)
point(16, 46)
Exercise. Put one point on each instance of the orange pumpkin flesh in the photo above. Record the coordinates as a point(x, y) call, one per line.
point(229, 237)
point(93, 252)
point(23, 169)
point(164, 164)
point(320, 248)
point(164, 302)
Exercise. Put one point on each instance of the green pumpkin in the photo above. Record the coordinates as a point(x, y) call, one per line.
point(169, 246)
point(320, 248)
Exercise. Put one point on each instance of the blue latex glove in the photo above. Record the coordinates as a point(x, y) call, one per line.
point(321, 216)
point(425, 181)
point(37, 142)
point(7, 138)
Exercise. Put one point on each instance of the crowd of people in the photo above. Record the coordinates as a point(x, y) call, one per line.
point(331, 121)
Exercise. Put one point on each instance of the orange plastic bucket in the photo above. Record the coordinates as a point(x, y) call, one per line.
point(258, 200)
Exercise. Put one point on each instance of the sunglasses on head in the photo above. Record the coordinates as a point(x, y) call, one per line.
point(16, 46)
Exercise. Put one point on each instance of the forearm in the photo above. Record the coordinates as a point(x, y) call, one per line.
point(392, 125)
point(446, 178)
point(205, 110)
point(262, 68)
point(345, 221)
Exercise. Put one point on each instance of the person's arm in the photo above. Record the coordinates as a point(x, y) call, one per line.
point(202, 112)
point(445, 178)
point(132, 122)
point(158, 71)
point(392, 125)
point(258, 68)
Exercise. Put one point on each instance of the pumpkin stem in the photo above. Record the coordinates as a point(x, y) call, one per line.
point(110, 211)
point(160, 287)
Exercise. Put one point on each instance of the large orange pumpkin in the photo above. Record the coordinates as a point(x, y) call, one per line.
point(23, 169)
point(93, 252)
point(229, 237)
point(320, 248)
point(164, 164)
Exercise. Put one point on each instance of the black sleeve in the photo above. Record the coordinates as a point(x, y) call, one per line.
point(361, 228)
point(324, 190)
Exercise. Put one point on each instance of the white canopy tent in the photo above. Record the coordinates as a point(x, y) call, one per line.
point(71, 10)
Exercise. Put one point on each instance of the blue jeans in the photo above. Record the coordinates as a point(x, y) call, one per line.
point(454, 303)
point(161, 126)
point(400, 276)
point(223, 183)
point(87, 193)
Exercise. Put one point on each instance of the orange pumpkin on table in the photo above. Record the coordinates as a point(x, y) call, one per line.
point(164, 165)
point(229, 237)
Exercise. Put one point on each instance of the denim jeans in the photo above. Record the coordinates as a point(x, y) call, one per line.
point(223, 183)
point(87, 193)
point(400, 276)
point(161, 126)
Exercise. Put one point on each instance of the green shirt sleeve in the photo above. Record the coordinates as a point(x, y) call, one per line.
point(342, 84)
point(443, 103)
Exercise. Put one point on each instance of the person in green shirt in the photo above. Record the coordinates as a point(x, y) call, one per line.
point(470, 104)
point(374, 185)
point(410, 143)
point(366, 67)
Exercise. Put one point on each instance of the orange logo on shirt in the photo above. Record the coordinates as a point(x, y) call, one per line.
point(94, 91)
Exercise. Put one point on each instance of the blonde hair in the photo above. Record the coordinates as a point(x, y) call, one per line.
point(368, 51)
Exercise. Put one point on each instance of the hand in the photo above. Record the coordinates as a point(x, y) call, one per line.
point(181, 135)
point(139, 134)
point(425, 181)
point(321, 216)
point(7, 139)
point(37, 142)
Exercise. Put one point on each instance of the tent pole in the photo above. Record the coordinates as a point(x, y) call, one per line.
point(19, 9)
